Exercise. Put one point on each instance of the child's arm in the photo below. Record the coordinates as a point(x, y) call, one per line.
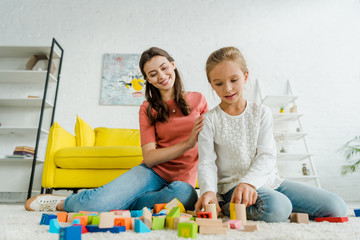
point(264, 164)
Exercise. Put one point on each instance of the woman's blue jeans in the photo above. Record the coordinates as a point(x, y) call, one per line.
point(276, 205)
point(137, 188)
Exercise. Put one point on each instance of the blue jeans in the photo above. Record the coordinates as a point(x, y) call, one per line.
point(276, 205)
point(137, 188)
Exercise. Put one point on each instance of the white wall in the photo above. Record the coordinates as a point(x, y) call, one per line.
point(314, 44)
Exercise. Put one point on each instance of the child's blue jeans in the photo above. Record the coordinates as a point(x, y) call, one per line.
point(137, 188)
point(275, 205)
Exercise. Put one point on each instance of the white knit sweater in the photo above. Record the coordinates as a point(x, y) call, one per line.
point(237, 149)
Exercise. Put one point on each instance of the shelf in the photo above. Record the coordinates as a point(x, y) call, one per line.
point(300, 178)
point(25, 51)
point(27, 159)
point(24, 76)
point(292, 156)
point(289, 136)
point(20, 130)
point(278, 100)
point(23, 102)
point(286, 116)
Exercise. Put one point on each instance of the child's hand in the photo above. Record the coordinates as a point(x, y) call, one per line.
point(192, 140)
point(244, 192)
point(206, 198)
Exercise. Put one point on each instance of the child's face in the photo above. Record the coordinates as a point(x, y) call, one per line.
point(160, 73)
point(228, 81)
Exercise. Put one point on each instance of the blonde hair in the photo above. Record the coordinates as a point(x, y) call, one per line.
point(225, 54)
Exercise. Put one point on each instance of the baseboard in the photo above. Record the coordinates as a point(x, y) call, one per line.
point(15, 197)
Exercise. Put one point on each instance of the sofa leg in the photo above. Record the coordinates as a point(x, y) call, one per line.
point(48, 191)
point(75, 190)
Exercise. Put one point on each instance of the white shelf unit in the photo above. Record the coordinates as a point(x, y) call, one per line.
point(25, 119)
point(289, 131)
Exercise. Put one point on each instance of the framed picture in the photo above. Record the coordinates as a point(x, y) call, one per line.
point(122, 82)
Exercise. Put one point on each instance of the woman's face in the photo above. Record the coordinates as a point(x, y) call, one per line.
point(160, 73)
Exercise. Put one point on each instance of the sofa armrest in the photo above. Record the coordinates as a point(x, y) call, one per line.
point(58, 138)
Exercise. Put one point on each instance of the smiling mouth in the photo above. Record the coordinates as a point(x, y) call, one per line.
point(165, 82)
point(230, 96)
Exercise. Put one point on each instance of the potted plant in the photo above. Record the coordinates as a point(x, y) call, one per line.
point(352, 154)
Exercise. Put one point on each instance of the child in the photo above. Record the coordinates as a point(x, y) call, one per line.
point(237, 153)
point(170, 121)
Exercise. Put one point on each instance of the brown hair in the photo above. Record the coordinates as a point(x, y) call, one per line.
point(153, 95)
point(225, 54)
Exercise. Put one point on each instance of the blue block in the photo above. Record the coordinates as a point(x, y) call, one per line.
point(75, 221)
point(140, 227)
point(54, 226)
point(357, 212)
point(136, 213)
point(115, 229)
point(45, 218)
point(70, 233)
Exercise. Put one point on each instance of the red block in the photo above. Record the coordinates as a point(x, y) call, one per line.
point(332, 219)
point(204, 215)
point(83, 228)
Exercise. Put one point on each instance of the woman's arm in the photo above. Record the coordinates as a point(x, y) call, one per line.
point(153, 156)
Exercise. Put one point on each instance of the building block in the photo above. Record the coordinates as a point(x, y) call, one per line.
point(75, 221)
point(251, 227)
point(238, 212)
point(175, 203)
point(147, 217)
point(178, 220)
point(175, 212)
point(209, 222)
point(83, 219)
point(205, 215)
point(70, 233)
point(70, 217)
point(158, 207)
point(357, 212)
point(214, 230)
point(45, 218)
point(169, 222)
point(123, 221)
point(54, 226)
point(95, 220)
point(299, 218)
point(158, 223)
point(62, 216)
point(211, 207)
point(187, 230)
point(193, 213)
point(115, 229)
point(235, 224)
point(163, 212)
point(87, 213)
point(140, 227)
point(90, 218)
point(106, 220)
point(83, 228)
point(332, 219)
point(136, 213)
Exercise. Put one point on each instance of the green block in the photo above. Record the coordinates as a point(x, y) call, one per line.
point(158, 223)
point(78, 214)
point(187, 230)
point(170, 222)
point(175, 212)
point(95, 220)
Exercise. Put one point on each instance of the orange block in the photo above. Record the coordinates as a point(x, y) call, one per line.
point(123, 221)
point(159, 207)
point(62, 216)
point(83, 219)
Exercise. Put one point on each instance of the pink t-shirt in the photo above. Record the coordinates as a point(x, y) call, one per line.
point(176, 130)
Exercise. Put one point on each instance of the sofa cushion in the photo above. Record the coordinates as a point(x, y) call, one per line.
point(85, 135)
point(117, 137)
point(121, 157)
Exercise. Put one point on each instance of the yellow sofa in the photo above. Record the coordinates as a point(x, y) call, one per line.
point(89, 159)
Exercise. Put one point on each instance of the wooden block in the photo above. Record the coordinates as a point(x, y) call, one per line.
point(45, 218)
point(178, 220)
point(299, 218)
point(123, 221)
point(106, 220)
point(62, 216)
point(75, 221)
point(187, 229)
point(235, 224)
point(175, 212)
point(357, 212)
point(251, 227)
point(209, 222)
point(140, 227)
point(136, 213)
point(175, 203)
point(83, 228)
point(83, 219)
point(213, 230)
point(205, 215)
point(122, 213)
point(115, 229)
point(54, 226)
point(211, 208)
point(72, 232)
point(95, 220)
point(158, 223)
point(147, 217)
point(70, 216)
point(238, 212)
point(158, 207)
point(332, 219)
point(169, 221)
point(193, 213)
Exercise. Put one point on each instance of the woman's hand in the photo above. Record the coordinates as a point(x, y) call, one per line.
point(244, 193)
point(207, 198)
point(192, 140)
